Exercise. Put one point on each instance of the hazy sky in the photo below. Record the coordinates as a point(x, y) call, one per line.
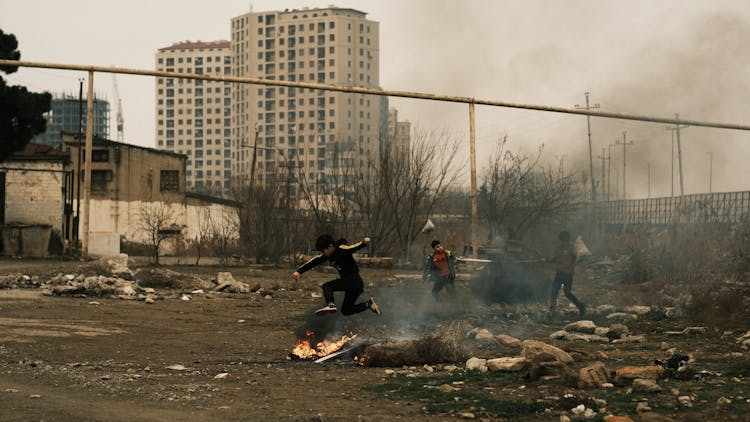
point(652, 57)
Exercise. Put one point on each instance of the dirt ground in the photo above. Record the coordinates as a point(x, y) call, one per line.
point(93, 358)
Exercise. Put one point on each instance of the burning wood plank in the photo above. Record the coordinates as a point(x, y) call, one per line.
point(333, 355)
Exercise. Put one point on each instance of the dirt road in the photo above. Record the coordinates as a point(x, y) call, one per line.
point(92, 358)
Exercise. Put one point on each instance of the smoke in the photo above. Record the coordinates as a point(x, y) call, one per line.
point(700, 73)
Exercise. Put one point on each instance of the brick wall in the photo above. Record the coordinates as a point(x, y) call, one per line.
point(34, 197)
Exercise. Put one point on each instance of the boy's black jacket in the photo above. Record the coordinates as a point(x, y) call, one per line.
point(342, 259)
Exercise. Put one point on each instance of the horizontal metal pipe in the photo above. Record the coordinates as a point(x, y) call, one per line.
point(373, 91)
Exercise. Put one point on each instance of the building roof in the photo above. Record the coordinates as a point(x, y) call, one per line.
point(188, 45)
point(39, 152)
point(212, 199)
point(102, 141)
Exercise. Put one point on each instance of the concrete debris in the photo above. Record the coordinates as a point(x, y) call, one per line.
point(685, 401)
point(19, 281)
point(594, 375)
point(508, 340)
point(480, 334)
point(225, 282)
point(629, 373)
point(622, 316)
point(584, 326)
point(118, 267)
point(476, 364)
point(687, 331)
point(645, 386)
point(537, 351)
point(507, 364)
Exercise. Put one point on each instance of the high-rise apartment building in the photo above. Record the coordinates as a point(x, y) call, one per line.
point(193, 116)
point(313, 133)
point(399, 134)
point(65, 113)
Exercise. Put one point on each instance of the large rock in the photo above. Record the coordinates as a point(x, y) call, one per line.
point(507, 364)
point(537, 351)
point(476, 364)
point(629, 373)
point(118, 267)
point(584, 326)
point(645, 386)
point(588, 338)
point(593, 376)
point(508, 340)
point(225, 282)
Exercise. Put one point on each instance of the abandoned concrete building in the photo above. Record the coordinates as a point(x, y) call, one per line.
point(39, 191)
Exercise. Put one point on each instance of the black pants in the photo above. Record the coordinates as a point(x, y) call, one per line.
point(440, 282)
point(352, 287)
point(565, 280)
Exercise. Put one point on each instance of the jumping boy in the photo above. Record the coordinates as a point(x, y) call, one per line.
point(339, 255)
point(441, 267)
point(565, 266)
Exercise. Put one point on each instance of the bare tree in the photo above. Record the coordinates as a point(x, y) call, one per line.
point(398, 190)
point(203, 234)
point(222, 234)
point(157, 222)
point(517, 192)
point(267, 215)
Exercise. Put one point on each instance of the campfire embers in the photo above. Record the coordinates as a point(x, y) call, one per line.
point(305, 350)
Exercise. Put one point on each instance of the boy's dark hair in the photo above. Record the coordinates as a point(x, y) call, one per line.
point(434, 243)
point(564, 236)
point(323, 241)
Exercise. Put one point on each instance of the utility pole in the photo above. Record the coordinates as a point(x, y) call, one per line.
point(677, 128)
point(605, 193)
point(710, 170)
point(624, 144)
point(255, 157)
point(591, 154)
point(77, 218)
point(609, 168)
point(649, 179)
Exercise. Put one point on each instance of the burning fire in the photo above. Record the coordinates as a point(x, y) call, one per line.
point(304, 349)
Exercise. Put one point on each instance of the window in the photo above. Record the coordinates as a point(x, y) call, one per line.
point(99, 180)
point(169, 181)
point(99, 156)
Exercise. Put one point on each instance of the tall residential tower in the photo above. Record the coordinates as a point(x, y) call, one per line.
point(193, 116)
point(313, 133)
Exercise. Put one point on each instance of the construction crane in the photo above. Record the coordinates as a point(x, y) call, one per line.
point(118, 111)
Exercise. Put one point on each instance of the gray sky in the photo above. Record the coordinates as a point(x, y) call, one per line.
point(653, 57)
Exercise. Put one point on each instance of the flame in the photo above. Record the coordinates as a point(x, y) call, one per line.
point(304, 349)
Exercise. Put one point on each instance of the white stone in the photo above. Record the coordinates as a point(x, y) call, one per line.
point(507, 364)
point(583, 326)
point(476, 364)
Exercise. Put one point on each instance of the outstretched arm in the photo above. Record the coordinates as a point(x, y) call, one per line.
point(308, 266)
point(354, 247)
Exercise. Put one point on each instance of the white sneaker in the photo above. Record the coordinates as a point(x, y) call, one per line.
point(328, 309)
point(374, 306)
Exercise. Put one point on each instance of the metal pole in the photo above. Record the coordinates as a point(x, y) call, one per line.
point(609, 170)
point(373, 91)
point(87, 167)
point(604, 157)
point(474, 203)
point(710, 171)
point(591, 153)
point(77, 219)
point(649, 179)
point(624, 195)
point(679, 154)
point(672, 194)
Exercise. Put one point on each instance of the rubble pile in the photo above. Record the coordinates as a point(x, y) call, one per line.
point(587, 331)
point(81, 285)
point(19, 281)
